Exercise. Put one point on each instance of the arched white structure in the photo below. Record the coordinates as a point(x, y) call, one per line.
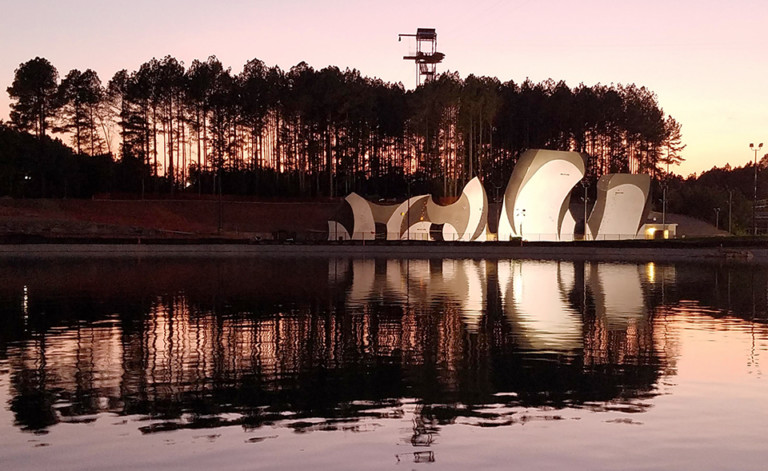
point(538, 195)
point(407, 213)
point(536, 207)
point(364, 227)
point(464, 220)
point(337, 231)
point(621, 206)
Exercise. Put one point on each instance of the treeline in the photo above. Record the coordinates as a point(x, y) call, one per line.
point(305, 132)
point(722, 195)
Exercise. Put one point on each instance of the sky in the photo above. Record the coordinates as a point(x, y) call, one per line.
point(705, 60)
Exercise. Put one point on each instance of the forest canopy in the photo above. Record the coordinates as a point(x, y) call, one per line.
point(314, 133)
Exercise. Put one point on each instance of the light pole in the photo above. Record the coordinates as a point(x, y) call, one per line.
point(664, 209)
point(408, 209)
point(585, 185)
point(730, 210)
point(717, 219)
point(754, 198)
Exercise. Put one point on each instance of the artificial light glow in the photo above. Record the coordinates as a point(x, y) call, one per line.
point(650, 271)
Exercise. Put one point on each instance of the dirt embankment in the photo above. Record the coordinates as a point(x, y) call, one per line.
point(200, 219)
point(165, 218)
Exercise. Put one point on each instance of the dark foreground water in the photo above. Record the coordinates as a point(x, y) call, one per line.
point(332, 364)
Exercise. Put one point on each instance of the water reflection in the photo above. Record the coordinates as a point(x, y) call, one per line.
point(206, 343)
point(536, 299)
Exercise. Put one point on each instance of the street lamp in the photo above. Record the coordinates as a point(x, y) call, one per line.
point(754, 198)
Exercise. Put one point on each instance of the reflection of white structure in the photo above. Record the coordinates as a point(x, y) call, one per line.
point(535, 299)
point(538, 195)
point(618, 293)
point(461, 283)
point(541, 299)
point(418, 218)
point(621, 206)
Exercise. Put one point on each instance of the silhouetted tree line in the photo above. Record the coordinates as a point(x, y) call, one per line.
point(720, 193)
point(306, 132)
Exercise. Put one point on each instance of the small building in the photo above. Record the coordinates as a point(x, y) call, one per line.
point(657, 231)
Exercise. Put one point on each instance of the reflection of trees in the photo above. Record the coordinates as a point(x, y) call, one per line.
point(197, 350)
point(735, 290)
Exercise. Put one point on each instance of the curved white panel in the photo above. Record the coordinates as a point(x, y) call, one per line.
point(536, 194)
point(536, 209)
point(418, 231)
point(336, 231)
point(620, 206)
point(365, 228)
point(477, 210)
point(505, 231)
point(395, 223)
point(450, 233)
point(467, 216)
point(567, 227)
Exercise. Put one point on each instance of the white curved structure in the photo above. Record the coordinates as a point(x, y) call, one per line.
point(466, 219)
point(538, 195)
point(621, 206)
point(414, 219)
point(364, 227)
point(536, 207)
point(404, 216)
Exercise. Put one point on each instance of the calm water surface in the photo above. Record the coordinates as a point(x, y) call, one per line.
point(282, 363)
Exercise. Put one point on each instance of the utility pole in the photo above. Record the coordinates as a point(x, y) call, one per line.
point(730, 210)
point(754, 198)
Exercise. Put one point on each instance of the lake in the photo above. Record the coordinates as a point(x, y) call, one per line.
point(335, 363)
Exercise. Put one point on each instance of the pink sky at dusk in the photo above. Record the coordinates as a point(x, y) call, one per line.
point(704, 59)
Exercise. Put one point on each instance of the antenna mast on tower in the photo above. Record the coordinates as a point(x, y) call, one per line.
point(426, 56)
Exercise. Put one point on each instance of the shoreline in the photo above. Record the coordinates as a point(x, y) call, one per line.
point(629, 252)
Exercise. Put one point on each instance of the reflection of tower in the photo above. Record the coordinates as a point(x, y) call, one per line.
point(426, 56)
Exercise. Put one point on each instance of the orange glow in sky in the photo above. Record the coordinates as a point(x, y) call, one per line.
point(704, 59)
